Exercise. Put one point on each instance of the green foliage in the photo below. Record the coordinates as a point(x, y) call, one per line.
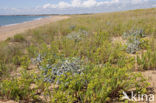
point(18, 38)
point(61, 67)
point(3, 68)
point(100, 84)
point(17, 88)
point(146, 61)
point(77, 36)
point(103, 53)
point(16, 60)
point(32, 51)
point(144, 43)
point(134, 42)
point(25, 62)
point(108, 66)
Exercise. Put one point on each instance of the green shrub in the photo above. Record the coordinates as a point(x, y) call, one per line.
point(32, 51)
point(146, 61)
point(103, 53)
point(8, 39)
point(60, 67)
point(25, 62)
point(16, 60)
point(144, 43)
point(134, 42)
point(18, 88)
point(18, 38)
point(100, 85)
point(77, 36)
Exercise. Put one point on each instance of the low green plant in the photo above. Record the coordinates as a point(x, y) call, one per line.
point(77, 36)
point(103, 53)
point(18, 38)
point(3, 68)
point(144, 43)
point(134, 41)
point(17, 88)
point(25, 62)
point(16, 60)
point(99, 84)
point(60, 67)
point(146, 61)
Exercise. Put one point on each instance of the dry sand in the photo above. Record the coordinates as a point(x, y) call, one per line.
point(11, 30)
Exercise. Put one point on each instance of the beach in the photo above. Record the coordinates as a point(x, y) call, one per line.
point(11, 30)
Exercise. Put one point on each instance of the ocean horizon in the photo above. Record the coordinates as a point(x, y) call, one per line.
point(12, 19)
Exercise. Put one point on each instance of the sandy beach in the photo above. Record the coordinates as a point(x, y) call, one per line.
point(11, 30)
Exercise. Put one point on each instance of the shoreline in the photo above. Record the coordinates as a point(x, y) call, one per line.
point(25, 21)
point(7, 31)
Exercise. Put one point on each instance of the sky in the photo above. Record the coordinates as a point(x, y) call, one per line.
point(10, 7)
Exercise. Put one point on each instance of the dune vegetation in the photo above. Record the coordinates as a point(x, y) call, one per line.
point(84, 59)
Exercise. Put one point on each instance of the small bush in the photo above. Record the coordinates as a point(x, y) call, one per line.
point(133, 45)
point(16, 60)
point(134, 33)
point(20, 88)
point(72, 27)
point(98, 85)
point(18, 38)
point(133, 40)
point(25, 62)
point(144, 43)
point(60, 67)
point(77, 36)
point(17, 88)
point(147, 60)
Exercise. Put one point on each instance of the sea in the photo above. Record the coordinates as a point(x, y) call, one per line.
point(11, 20)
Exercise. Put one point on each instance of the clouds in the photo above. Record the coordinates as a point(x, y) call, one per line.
point(90, 3)
point(138, 1)
point(82, 6)
point(79, 4)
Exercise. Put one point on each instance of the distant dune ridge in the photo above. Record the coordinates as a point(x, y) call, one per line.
point(11, 30)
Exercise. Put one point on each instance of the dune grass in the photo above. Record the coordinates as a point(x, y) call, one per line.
point(80, 59)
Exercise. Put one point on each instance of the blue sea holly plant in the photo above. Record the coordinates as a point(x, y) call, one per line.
point(77, 35)
point(62, 66)
point(133, 38)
